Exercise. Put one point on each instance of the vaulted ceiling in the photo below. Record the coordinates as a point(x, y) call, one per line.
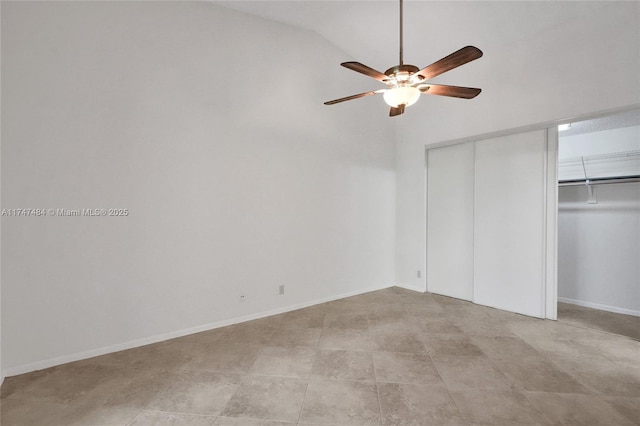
point(368, 30)
point(523, 60)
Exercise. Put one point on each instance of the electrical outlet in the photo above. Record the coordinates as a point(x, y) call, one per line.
point(281, 289)
point(419, 273)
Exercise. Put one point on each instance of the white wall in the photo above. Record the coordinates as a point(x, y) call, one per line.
point(545, 77)
point(599, 247)
point(208, 125)
point(1, 370)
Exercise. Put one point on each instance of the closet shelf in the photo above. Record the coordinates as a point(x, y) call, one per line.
point(600, 168)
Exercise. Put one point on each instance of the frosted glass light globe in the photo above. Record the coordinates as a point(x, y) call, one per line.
point(406, 95)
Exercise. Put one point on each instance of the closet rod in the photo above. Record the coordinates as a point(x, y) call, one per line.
point(600, 181)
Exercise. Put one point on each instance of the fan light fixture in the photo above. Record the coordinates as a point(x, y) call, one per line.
point(405, 82)
point(402, 95)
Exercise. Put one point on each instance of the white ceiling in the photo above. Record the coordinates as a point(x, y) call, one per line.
point(613, 121)
point(367, 31)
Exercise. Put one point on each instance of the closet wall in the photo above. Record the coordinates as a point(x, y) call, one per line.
point(599, 247)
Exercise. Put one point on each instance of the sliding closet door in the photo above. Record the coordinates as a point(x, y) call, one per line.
point(450, 221)
point(509, 223)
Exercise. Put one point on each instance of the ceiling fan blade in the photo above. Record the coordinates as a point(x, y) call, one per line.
point(348, 98)
point(453, 91)
point(368, 71)
point(396, 111)
point(460, 57)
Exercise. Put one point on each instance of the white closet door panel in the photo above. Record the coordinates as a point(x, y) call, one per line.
point(509, 227)
point(450, 221)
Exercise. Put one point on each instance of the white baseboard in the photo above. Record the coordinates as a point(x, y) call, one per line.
point(608, 308)
point(412, 287)
point(39, 365)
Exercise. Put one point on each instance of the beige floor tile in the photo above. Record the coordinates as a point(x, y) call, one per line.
point(17, 384)
point(450, 344)
point(448, 301)
point(358, 321)
point(19, 412)
point(394, 307)
point(226, 358)
point(272, 321)
point(267, 398)
point(284, 361)
point(82, 414)
point(378, 325)
point(386, 295)
point(566, 348)
point(428, 308)
point(484, 326)
point(296, 337)
point(467, 312)
point(510, 317)
point(164, 356)
point(303, 318)
point(625, 325)
point(537, 329)
point(387, 312)
point(613, 347)
point(156, 418)
point(576, 410)
point(111, 388)
point(143, 392)
point(344, 365)
point(234, 421)
point(497, 407)
point(260, 372)
point(346, 339)
point(342, 403)
point(470, 372)
point(202, 338)
point(536, 373)
point(202, 392)
point(407, 404)
point(435, 325)
point(394, 367)
point(349, 306)
point(398, 342)
point(602, 376)
point(257, 332)
point(69, 382)
point(504, 347)
point(628, 407)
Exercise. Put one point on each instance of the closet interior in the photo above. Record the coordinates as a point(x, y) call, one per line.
point(599, 223)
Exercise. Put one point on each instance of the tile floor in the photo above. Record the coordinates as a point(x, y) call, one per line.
point(625, 325)
point(390, 357)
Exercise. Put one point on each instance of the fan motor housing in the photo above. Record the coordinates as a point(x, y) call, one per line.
point(411, 69)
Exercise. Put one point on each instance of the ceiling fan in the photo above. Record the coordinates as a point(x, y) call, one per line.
point(406, 82)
